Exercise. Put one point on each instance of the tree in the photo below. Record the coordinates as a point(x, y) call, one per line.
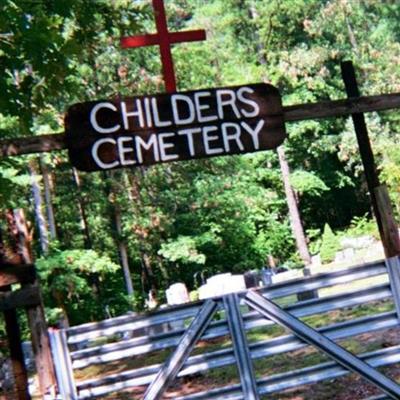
point(329, 246)
point(215, 215)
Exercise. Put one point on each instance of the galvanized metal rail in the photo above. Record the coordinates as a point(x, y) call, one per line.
point(311, 336)
point(292, 379)
point(240, 347)
point(77, 346)
point(170, 369)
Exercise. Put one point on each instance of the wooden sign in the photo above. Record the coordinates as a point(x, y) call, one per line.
point(146, 130)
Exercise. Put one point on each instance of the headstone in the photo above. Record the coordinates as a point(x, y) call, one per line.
point(339, 257)
point(345, 255)
point(266, 276)
point(177, 294)
point(235, 284)
point(218, 284)
point(251, 279)
point(361, 242)
point(206, 292)
point(221, 284)
point(316, 260)
point(375, 250)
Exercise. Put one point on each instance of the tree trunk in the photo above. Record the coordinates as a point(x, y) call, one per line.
point(260, 48)
point(47, 184)
point(148, 279)
point(82, 210)
point(112, 192)
point(123, 251)
point(38, 204)
point(294, 215)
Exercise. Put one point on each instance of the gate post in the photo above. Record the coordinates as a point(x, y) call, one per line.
point(62, 364)
point(379, 196)
point(36, 317)
point(240, 347)
point(393, 267)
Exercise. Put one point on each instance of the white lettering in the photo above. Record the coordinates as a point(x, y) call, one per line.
point(208, 138)
point(151, 142)
point(189, 134)
point(95, 154)
point(235, 135)
point(147, 109)
point(200, 107)
point(230, 101)
point(123, 149)
point(164, 146)
point(256, 108)
point(254, 133)
point(156, 115)
point(93, 118)
point(175, 109)
point(137, 113)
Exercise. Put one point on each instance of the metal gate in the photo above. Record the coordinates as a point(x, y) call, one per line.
point(235, 316)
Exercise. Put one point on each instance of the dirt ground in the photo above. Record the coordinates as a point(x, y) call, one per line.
point(349, 387)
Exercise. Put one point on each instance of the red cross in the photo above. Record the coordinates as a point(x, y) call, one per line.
point(164, 39)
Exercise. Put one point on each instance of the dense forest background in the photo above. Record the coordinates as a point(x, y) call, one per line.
point(180, 222)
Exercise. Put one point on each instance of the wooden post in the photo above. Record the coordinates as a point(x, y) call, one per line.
point(13, 332)
point(36, 318)
point(379, 195)
point(16, 354)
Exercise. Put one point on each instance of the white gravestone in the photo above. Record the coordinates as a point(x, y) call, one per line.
point(177, 294)
point(221, 284)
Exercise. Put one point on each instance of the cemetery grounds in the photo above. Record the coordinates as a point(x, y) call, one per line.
point(349, 387)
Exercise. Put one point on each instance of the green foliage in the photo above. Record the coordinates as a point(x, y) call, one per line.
point(361, 226)
point(314, 235)
point(76, 281)
point(308, 182)
point(194, 295)
point(182, 250)
point(10, 179)
point(329, 246)
point(206, 216)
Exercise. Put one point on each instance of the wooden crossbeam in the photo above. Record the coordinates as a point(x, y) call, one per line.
point(344, 107)
point(28, 296)
point(298, 112)
point(10, 274)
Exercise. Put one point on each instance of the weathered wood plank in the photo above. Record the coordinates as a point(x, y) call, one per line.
point(25, 297)
point(390, 232)
point(336, 108)
point(36, 318)
point(10, 274)
point(298, 112)
point(379, 196)
point(34, 144)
